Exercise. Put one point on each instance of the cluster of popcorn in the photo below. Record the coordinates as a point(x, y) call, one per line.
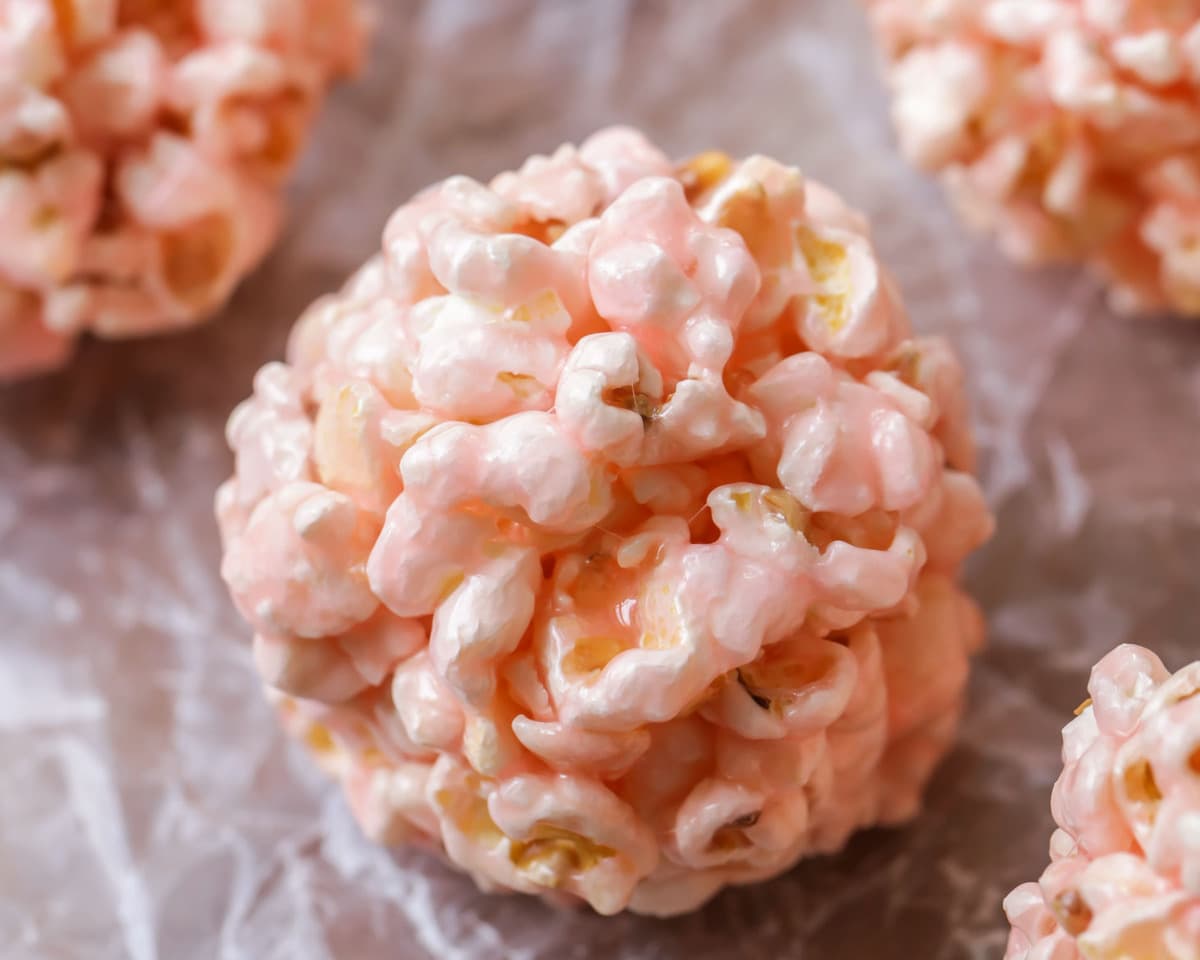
point(602, 533)
point(142, 145)
point(1124, 878)
point(1069, 128)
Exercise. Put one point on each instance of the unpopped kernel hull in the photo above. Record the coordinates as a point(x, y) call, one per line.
point(603, 532)
point(1068, 128)
point(1124, 877)
point(142, 148)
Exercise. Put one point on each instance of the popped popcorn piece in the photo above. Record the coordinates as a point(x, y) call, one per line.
point(1124, 876)
point(602, 533)
point(142, 152)
point(389, 802)
point(299, 567)
point(1052, 123)
point(335, 669)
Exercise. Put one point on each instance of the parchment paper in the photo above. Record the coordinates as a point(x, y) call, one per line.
point(148, 807)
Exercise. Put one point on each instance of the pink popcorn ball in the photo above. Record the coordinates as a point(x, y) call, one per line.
point(602, 533)
point(1068, 128)
point(142, 148)
point(1124, 877)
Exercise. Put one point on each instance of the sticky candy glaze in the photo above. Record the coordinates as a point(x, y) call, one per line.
point(602, 533)
point(142, 148)
point(1124, 876)
point(1069, 128)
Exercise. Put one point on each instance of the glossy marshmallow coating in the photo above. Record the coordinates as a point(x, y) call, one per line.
point(602, 533)
point(1124, 876)
point(1068, 128)
point(142, 148)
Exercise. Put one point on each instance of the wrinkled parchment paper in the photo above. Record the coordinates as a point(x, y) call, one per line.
point(148, 807)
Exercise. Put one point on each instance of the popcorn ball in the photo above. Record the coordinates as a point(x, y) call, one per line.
point(1068, 128)
point(142, 146)
point(1124, 877)
point(602, 533)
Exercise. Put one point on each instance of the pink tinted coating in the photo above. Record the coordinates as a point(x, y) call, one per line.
point(142, 149)
point(1124, 874)
point(1070, 129)
point(602, 533)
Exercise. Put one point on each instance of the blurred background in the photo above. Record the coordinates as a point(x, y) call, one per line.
point(148, 807)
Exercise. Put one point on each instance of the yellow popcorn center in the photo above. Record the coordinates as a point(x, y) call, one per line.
point(279, 121)
point(907, 366)
point(552, 853)
point(341, 449)
point(748, 213)
point(44, 218)
point(873, 530)
point(801, 673)
point(481, 746)
point(829, 266)
point(783, 504)
point(596, 491)
point(1083, 706)
point(1041, 157)
point(703, 697)
point(282, 141)
point(778, 503)
point(591, 654)
point(545, 304)
point(703, 172)
point(1072, 912)
point(495, 548)
point(27, 154)
point(730, 839)
point(319, 739)
point(59, 259)
point(655, 618)
point(450, 584)
point(593, 584)
point(773, 684)
point(374, 757)
point(1139, 782)
point(656, 640)
point(468, 811)
point(523, 385)
point(630, 399)
point(195, 257)
point(758, 698)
